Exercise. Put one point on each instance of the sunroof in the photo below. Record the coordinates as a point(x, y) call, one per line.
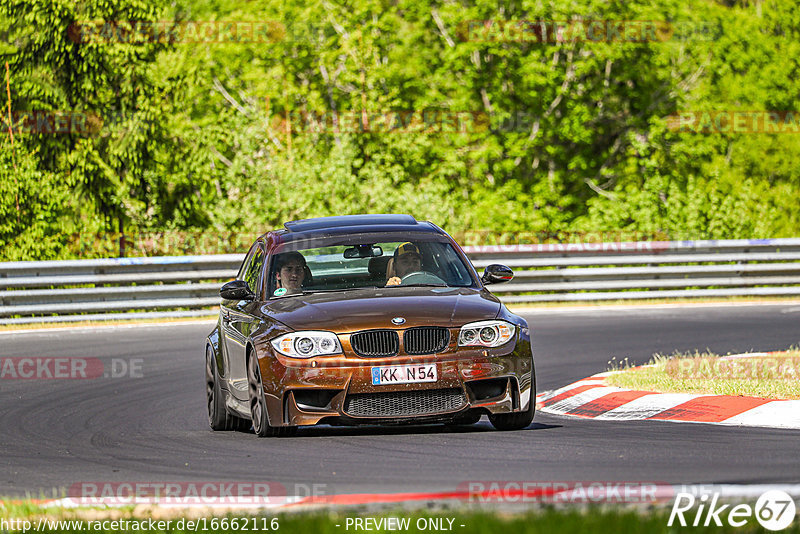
point(304, 225)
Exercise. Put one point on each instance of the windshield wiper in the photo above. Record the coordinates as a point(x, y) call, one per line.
point(310, 291)
point(421, 285)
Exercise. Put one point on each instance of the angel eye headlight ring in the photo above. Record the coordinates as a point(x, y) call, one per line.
point(492, 333)
point(307, 344)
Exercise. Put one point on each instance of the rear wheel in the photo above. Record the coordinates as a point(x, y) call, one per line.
point(518, 420)
point(258, 405)
point(218, 416)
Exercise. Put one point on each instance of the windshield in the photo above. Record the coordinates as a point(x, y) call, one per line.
point(367, 264)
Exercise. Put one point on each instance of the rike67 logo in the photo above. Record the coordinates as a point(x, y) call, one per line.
point(774, 510)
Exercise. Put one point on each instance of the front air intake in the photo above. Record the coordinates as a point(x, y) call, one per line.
point(405, 403)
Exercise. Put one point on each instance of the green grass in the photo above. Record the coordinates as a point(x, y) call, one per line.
point(542, 521)
point(773, 377)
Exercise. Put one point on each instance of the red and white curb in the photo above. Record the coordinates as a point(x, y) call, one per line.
point(593, 398)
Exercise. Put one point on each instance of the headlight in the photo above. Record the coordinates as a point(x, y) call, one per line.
point(485, 334)
point(307, 344)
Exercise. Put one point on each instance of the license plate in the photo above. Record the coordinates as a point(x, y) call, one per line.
point(404, 374)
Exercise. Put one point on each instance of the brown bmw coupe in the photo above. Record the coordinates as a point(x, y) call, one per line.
point(365, 319)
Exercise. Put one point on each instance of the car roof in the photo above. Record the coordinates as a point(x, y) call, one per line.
point(320, 223)
point(353, 224)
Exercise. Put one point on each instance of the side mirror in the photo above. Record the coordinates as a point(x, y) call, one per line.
point(496, 273)
point(236, 290)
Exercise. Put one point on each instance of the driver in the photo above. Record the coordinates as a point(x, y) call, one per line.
point(407, 260)
point(290, 271)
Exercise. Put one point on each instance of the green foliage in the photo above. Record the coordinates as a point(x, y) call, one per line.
point(207, 135)
point(35, 207)
point(123, 169)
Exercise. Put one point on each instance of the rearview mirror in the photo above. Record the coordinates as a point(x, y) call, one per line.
point(363, 251)
point(236, 290)
point(496, 274)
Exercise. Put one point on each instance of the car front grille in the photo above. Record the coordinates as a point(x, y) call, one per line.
point(405, 403)
point(426, 339)
point(375, 343)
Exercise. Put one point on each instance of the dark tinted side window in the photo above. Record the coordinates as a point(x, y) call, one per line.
point(246, 262)
point(253, 270)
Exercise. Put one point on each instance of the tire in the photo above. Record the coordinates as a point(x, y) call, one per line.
point(218, 416)
point(518, 420)
point(258, 405)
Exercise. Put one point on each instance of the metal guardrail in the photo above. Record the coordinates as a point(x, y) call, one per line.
point(47, 291)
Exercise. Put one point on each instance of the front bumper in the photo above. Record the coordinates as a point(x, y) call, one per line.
point(339, 389)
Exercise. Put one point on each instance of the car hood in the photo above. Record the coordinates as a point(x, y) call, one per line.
point(362, 309)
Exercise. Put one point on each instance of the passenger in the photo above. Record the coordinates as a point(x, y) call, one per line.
point(290, 272)
point(406, 260)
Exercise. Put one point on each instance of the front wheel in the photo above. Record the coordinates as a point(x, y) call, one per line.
point(518, 420)
point(218, 416)
point(258, 405)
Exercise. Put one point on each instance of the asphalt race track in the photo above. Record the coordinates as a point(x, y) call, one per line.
point(151, 427)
